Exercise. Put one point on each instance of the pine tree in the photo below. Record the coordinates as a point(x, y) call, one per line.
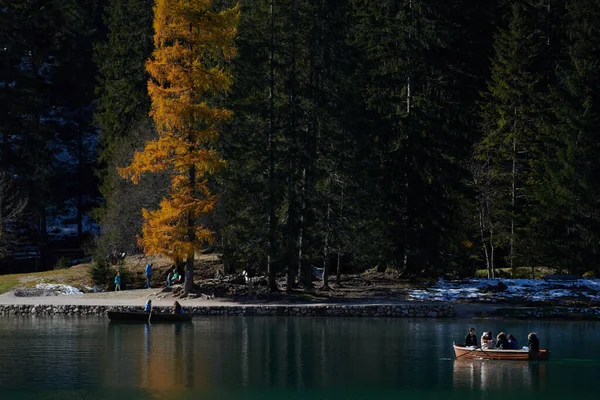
point(289, 141)
point(122, 111)
point(513, 114)
point(122, 90)
point(412, 70)
point(47, 132)
point(250, 194)
point(187, 80)
point(570, 190)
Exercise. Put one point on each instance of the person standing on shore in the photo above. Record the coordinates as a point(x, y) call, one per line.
point(471, 338)
point(118, 282)
point(148, 275)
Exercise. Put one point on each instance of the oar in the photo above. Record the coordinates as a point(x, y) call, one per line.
point(477, 347)
point(464, 354)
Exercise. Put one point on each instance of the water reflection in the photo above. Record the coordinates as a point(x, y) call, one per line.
point(291, 358)
point(275, 352)
point(498, 375)
point(156, 358)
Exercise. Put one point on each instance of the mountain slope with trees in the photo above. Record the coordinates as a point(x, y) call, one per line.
point(424, 137)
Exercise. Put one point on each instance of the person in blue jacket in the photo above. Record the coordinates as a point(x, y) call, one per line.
point(118, 282)
point(148, 307)
point(148, 275)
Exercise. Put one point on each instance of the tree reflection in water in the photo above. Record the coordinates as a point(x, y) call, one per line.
point(158, 363)
point(498, 375)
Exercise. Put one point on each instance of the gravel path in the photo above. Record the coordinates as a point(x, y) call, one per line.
point(138, 298)
point(125, 298)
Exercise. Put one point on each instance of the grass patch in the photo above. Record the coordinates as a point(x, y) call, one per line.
point(306, 297)
point(77, 276)
point(7, 282)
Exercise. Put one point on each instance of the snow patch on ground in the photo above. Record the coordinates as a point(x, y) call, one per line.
point(524, 289)
point(60, 288)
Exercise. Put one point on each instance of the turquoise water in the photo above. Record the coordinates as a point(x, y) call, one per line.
point(285, 358)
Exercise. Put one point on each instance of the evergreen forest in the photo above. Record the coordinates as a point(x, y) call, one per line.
point(431, 137)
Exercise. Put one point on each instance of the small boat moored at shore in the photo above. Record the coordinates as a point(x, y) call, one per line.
point(129, 316)
point(478, 353)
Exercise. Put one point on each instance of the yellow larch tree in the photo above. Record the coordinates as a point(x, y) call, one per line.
point(187, 83)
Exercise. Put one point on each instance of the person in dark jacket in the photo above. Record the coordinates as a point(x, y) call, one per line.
point(512, 342)
point(533, 342)
point(502, 341)
point(177, 309)
point(471, 338)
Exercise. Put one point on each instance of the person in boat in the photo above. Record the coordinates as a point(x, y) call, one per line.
point(471, 338)
point(148, 307)
point(502, 341)
point(487, 340)
point(512, 342)
point(533, 343)
point(177, 309)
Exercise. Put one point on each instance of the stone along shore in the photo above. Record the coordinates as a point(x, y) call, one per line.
point(358, 310)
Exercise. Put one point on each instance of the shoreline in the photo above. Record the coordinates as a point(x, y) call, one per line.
point(134, 300)
point(100, 303)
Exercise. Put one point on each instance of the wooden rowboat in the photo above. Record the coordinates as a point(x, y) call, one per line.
point(498, 354)
point(128, 316)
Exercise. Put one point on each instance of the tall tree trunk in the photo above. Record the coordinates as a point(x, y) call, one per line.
point(492, 253)
point(191, 223)
point(513, 197)
point(271, 252)
point(80, 179)
point(292, 240)
point(326, 249)
point(292, 228)
point(484, 242)
point(409, 94)
point(338, 275)
point(304, 266)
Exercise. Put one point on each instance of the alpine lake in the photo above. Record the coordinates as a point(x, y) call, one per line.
point(287, 358)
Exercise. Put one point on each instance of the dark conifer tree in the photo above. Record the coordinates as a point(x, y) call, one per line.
point(49, 89)
point(514, 115)
point(412, 72)
point(570, 191)
point(122, 114)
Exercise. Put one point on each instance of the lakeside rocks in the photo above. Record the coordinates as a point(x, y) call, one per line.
point(357, 310)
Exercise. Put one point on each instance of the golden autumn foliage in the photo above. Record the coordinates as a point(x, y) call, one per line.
point(187, 80)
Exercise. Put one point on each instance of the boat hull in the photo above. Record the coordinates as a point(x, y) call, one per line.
point(122, 316)
point(495, 354)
